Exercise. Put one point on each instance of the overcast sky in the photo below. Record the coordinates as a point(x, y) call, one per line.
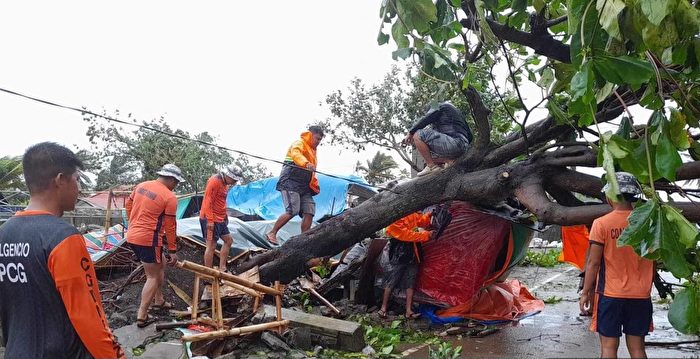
point(253, 73)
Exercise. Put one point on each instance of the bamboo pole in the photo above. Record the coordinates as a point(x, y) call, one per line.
point(234, 331)
point(216, 304)
point(278, 305)
point(108, 213)
point(197, 268)
point(256, 303)
point(195, 296)
point(243, 289)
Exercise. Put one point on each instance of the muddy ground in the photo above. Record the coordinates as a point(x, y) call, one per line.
point(557, 332)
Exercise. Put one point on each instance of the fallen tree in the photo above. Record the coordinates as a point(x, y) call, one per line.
point(596, 66)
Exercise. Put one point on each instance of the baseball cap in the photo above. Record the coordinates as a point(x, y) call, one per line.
point(626, 182)
point(170, 170)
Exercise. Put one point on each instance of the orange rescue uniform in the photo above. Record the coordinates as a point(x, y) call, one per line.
point(151, 209)
point(214, 202)
point(408, 229)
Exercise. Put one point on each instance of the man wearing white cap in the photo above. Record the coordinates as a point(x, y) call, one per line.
point(151, 209)
point(213, 218)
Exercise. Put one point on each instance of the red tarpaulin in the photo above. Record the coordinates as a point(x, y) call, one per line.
point(457, 265)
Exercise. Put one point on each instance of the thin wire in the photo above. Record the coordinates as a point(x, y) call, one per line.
point(85, 111)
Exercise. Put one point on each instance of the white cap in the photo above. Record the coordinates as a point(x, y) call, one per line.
point(234, 172)
point(170, 170)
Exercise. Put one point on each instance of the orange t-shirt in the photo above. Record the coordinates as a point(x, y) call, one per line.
point(623, 273)
point(214, 202)
point(151, 209)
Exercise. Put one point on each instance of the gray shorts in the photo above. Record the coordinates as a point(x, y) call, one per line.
point(298, 204)
point(442, 145)
point(400, 276)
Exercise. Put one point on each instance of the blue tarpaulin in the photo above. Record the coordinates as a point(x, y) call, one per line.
point(261, 197)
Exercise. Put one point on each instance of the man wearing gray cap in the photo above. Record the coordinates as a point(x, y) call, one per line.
point(213, 218)
point(617, 285)
point(151, 209)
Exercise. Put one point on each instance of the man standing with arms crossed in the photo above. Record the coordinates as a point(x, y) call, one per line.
point(298, 182)
point(151, 209)
point(213, 217)
point(49, 297)
point(618, 281)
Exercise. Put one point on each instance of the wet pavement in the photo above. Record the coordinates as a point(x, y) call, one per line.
point(559, 332)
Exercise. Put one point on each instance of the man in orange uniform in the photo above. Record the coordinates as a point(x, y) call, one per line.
point(151, 209)
point(622, 300)
point(405, 254)
point(50, 302)
point(298, 182)
point(213, 217)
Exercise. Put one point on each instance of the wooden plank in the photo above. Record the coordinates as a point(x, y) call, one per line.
point(197, 268)
point(348, 335)
point(234, 331)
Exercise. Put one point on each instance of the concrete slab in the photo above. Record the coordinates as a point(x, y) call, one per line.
point(132, 336)
point(165, 350)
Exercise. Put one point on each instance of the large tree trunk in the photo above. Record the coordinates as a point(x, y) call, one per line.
point(525, 181)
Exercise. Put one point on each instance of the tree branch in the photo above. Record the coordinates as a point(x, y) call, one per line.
point(481, 114)
point(534, 198)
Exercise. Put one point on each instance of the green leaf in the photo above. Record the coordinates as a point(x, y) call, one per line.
point(609, 167)
point(625, 128)
point(687, 19)
point(538, 5)
point(486, 32)
point(547, 78)
point(417, 14)
point(518, 5)
point(685, 232)
point(677, 131)
point(660, 37)
point(656, 10)
point(402, 54)
point(559, 115)
point(651, 99)
point(398, 32)
point(684, 312)
point(609, 11)
point(395, 324)
point(668, 160)
point(456, 3)
point(582, 83)
point(622, 70)
point(639, 225)
point(387, 349)
point(382, 38)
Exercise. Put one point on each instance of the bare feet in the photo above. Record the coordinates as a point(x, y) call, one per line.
point(272, 238)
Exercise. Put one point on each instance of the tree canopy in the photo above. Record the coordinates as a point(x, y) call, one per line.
point(128, 157)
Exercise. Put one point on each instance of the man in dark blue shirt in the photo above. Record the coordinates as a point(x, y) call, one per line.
point(446, 139)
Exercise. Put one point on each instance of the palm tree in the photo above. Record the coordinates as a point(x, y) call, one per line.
point(378, 169)
point(11, 173)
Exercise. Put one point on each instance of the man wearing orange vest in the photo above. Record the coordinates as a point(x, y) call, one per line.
point(298, 182)
point(617, 285)
point(151, 209)
point(213, 217)
point(405, 254)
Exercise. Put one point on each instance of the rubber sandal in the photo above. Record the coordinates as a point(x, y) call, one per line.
point(165, 305)
point(142, 323)
point(381, 314)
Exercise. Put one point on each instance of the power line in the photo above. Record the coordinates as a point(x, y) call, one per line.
point(84, 111)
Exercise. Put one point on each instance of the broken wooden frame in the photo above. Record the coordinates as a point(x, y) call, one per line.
point(216, 276)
